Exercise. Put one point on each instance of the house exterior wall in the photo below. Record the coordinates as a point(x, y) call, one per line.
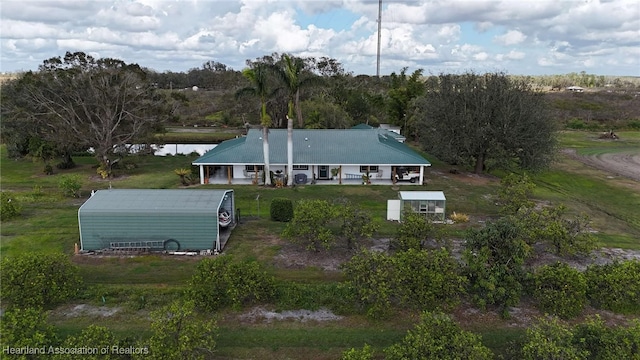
point(192, 230)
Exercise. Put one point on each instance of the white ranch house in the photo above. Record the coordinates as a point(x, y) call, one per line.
point(318, 154)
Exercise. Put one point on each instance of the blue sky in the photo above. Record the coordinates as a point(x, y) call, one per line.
point(527, 37)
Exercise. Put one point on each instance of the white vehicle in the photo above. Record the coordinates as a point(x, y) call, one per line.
point(404, 175)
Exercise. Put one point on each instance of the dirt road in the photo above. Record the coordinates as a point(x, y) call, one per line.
point(626, 163)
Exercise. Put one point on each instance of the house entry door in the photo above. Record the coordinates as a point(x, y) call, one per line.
point(323, 172)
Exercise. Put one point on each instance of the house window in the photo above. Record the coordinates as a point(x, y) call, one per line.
point(252, 168)
point(300, 167)
point(369, 168)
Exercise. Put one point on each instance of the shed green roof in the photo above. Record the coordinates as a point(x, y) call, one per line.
point(146, 201)
point(314, 146)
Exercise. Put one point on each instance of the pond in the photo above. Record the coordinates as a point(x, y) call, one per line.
point(184, 149)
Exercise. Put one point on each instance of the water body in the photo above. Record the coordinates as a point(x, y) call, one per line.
point(182, 149)
point(171, 149)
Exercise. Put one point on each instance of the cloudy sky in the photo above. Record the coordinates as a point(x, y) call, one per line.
point(529, 37)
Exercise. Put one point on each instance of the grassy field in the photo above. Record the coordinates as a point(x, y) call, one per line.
point(49, 224)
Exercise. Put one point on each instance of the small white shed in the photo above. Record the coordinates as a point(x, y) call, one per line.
point(430, 203)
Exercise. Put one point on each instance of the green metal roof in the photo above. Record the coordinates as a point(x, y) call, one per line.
point(146, 201)
point(316, 147)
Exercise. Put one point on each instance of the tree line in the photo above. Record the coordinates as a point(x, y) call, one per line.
point(76, 102)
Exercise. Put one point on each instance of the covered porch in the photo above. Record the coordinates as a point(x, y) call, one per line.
point(227, 174)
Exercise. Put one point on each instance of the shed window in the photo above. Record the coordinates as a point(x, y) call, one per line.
point(300, 167)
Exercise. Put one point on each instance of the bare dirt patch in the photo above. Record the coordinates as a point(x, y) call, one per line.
point(260, 314)
point(88, 311)
point(296, 257)
point(625, 163)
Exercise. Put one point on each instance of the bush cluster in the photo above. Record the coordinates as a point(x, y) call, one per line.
point(10, 208)
point(38, 280)
point(281, 210)
point(560, 290)
point(220, 282)
point(615, 286)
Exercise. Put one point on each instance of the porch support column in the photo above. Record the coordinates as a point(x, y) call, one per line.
point(340, 175)
point(421, 175)
point(229, 174)
point(201, 174)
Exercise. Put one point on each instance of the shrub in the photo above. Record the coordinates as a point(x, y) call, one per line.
point(34, 280)
point(310, 224)
point(459, 218)
point(10, 208)
point(560, 290)
point(366, 353)
point(615, 286)
point(435, 337)
point(219, 282)
point(281, 210)
point(70, 185)
point(495, 256)
point(25, 327)
point(412, 231)
point(604, 342)
point(428, 279)
point(179, 333)
point(550, 339)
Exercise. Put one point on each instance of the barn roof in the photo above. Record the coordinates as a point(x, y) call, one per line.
point(146, 201)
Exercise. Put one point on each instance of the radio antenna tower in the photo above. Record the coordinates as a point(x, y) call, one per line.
point(379, 37)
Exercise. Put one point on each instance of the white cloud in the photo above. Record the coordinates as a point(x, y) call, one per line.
point(512, 37)
point(541, 36)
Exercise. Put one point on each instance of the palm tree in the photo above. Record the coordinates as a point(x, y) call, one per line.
point(258, 76)
point(290, 73)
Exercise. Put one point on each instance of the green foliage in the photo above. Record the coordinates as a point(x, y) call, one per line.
point(26, 327)
point(417, 279)
point(370, 275)
point(9, 206)
point(281, 210)
point(550, 225)
point(495, 256)
point(185, 176)
point(412, 231)
point(366, 353)
point(560, 290)
point(481, 119)
point(295, 295)
point(70, 185)
point(36, 280)
point(607, 343)
point(356, 223)
point(179, 333)
point(435, 337)
point(550, 340)
point(615, 286)
point(427, 279)
point(219, 282)
point(309, 226)
point(593, 340)
point(515, 193)
point(93, 337)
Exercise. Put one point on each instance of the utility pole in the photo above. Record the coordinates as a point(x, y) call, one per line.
point(379, 36)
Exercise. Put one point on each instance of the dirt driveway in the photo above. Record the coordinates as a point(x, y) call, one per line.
point(625, 163)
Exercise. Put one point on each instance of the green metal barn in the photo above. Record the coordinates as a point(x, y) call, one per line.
point(153, 220)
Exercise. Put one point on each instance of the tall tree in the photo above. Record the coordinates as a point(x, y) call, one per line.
point(258, 76)
point(103, 103)
point(491, 119)
point(402, 91)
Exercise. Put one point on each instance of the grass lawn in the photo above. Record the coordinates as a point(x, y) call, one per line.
point(140, 284)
